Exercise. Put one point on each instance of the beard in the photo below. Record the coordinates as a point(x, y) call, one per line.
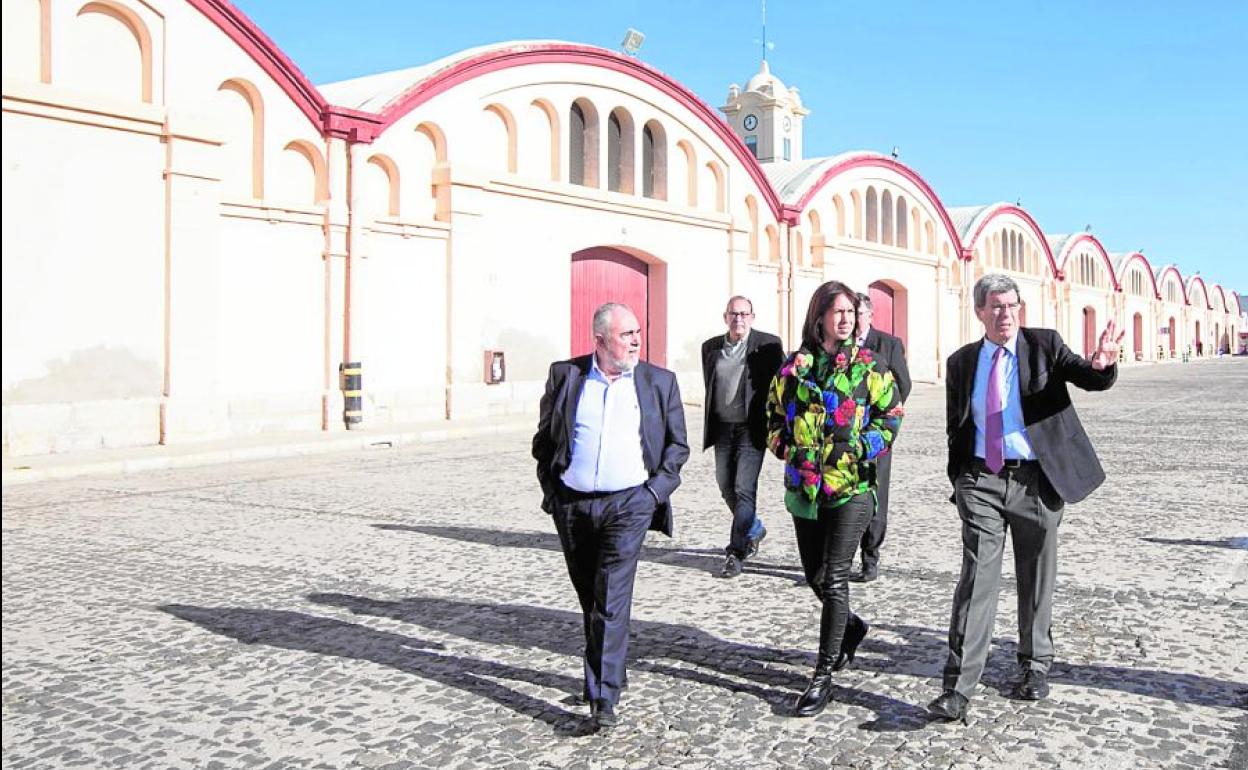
point(626, 364)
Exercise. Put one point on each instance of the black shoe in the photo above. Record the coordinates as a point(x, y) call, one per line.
point(1033, 686)
point(855, 630)
point(755, 543)
point(604, 716)
point(951, 706)
point(867, 574)
point(817, 694)
point(732, 567)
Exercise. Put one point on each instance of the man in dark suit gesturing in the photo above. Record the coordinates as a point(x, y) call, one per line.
point(891, 352)
point(609, 445)
point(1017, 454)
point(737, 368)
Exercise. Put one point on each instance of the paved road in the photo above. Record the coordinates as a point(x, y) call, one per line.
point(409, 608)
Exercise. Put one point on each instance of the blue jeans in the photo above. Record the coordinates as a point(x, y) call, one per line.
point(737, 463)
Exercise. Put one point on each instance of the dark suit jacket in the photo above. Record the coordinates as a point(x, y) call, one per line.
point(1045, 366)
point(764, 354)
point(664, 445)
point(892, 352)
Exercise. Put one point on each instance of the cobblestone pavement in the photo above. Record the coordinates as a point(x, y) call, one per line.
point(410, 608)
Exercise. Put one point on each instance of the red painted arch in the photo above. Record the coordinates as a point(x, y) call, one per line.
point(1000, 211)
point(566, 53)
point(1152, 276)
point(1204, 289)
point(879, 161)
point(1109, 265)
point(1161, 279)
point(243, 31)
point(1222, 293)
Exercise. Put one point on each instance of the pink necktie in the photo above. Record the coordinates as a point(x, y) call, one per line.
point(994, 433)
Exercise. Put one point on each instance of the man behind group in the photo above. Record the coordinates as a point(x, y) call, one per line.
point(891, 352)
point(1017, 453)
point(737, 368)
point(609, 446)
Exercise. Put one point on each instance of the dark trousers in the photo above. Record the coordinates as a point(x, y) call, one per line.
point(601, 537)
point(826, 546)
point(989, 504)
point(873, 537)
point(737, 463)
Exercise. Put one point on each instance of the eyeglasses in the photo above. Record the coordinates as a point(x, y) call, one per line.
point(1012, 307)
point(741, 314)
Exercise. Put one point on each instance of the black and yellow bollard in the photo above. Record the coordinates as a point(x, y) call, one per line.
point(350, 377)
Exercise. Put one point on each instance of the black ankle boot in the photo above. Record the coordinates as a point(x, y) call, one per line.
point(819, 691)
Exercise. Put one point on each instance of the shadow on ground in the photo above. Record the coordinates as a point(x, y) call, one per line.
point(703, 560)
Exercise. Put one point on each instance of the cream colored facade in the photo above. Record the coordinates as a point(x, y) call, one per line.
point(195, 237)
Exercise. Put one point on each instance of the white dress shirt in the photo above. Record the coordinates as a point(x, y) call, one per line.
point(606, 443)
point(1017, 445)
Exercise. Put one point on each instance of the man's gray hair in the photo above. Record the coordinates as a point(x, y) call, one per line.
point(734, 298)
point(994, 283)
point(602, 316)
point(864, 301)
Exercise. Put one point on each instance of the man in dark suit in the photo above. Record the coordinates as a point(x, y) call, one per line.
point(1017, 454)
point(890, 351)
point(609, 445)
point(737, 368)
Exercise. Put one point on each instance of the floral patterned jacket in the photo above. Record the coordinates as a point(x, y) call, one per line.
point(827, 415)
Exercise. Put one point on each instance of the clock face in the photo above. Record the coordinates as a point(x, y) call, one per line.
point(751, 122)
point(788, 123)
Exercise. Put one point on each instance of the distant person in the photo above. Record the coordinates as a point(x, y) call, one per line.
point(829, 414)
point(890, 351)
point(609, 446)
point(737, 368)
point(1017, 454)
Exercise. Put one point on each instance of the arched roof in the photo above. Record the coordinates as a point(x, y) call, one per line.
point(1204, 290)
point(974, 220)
point(1123, 261)
point(1222, 293)
point(1161, 279)
point(797, 183)
point(394, 94)
point(1063, 246)
point(244, 32)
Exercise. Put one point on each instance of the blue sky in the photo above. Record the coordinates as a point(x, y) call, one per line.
point(1128, 116)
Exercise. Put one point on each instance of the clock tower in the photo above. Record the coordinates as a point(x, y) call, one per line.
point(767, 116)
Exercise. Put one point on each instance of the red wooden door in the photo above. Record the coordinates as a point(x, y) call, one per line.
point(1172, 336)
point(889, 310)
point(881, 306)
point(1138, 332)
point(601, 275)
point(1089, 332)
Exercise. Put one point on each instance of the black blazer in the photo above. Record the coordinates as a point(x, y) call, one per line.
point(1045, 366)
point(892, 352)
point(764, 354)
point(664, 445)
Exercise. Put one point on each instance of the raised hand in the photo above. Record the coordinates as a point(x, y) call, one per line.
point(1109, 346)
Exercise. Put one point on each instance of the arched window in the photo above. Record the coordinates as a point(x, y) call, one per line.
point(873, 217)
point(552, 124)
point(929, 237)
point(886, 206)
point(691, 173)
point(773, 244)
point(654, 161)
point(856, 206)
point(583, 144)
point(243, 150)
point(620, 151)
point(839, 205)
point(718, 174)
point(903, 234)
point(751, 208)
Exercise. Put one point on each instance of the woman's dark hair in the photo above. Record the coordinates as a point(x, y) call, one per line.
point(820, 301)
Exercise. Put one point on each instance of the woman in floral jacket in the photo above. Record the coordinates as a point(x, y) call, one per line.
point(832, 409)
